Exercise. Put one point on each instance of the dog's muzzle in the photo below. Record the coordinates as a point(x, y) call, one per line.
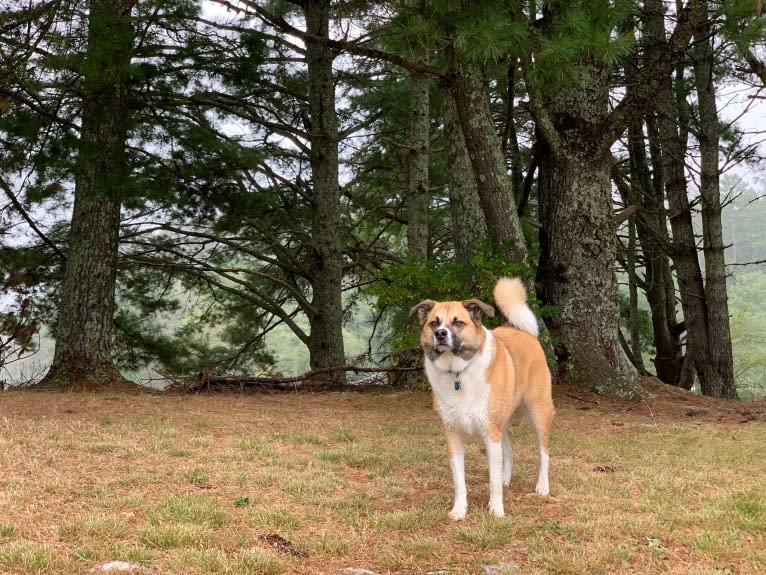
point(443, 339)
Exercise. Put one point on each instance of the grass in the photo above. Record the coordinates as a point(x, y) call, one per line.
point(273, 484)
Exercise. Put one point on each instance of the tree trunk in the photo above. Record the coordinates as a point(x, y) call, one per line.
point(708, 338)
point(684, 249)
point(325, 341)
point(651, 228)
point(633, 327)
point(577, 216)
point(719, 379)
point(468, 87)
point(667, 146)
point(416, 156)
point(468, 227)
point(82, 357)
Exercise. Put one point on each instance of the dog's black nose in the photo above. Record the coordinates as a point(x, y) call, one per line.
point(440, 333)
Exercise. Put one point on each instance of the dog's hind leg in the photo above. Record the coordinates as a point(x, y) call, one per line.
point(541, 417)
point(507, 459)
point(456, 452)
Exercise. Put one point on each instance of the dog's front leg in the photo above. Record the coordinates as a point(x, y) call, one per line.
point(457, 465)
point(495, 461)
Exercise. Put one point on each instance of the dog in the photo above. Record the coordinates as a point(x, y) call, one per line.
point(479, 377)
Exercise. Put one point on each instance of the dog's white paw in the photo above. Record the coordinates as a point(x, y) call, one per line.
point(542, 488)
point(496, 509)
point(458, 512)
point(506, 478)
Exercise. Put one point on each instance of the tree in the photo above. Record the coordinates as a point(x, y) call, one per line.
point(416, 157)
point(467, 218)
point(749, 331)
point(644, 191)
point(326, 265)
point(467, 84)
point(84, 327)
point(264, 170)
point(717, 375)
point(577, 128)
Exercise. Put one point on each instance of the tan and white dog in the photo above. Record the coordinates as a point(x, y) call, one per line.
point(479, 377)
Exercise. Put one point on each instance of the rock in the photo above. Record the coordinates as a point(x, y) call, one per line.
point(500, 569)
point(119, 566)
point(355, 571)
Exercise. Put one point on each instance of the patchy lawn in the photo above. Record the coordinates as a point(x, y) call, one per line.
point(314, 483)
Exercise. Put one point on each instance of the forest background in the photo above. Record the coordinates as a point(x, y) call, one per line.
point(232, 187)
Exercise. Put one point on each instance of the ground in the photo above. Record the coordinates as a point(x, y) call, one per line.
point(667, 404)
point(318, 482)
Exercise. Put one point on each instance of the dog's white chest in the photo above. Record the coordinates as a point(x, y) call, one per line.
point(465, 409)
point(464, 405)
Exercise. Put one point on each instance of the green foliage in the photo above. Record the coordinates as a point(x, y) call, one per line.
point(159, 322)
point(18, 325)
point(189, 509)
point(28, 557)
point(576, 35)
point(644, 319)
point(741, 24)
point(218, 156)
point(7, 531)
point(401, 286)
point(746, 292)
point(488, 32)
point(743, 221)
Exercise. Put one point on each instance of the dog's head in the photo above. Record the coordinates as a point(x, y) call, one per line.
point(452, 326)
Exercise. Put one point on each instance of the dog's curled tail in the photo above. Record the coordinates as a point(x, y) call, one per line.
point(511, 298)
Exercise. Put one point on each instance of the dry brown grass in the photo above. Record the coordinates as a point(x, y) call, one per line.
point(312, 483)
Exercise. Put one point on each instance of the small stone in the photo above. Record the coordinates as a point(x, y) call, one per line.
point(500, 569)
point(122, 566)
point(355, 571)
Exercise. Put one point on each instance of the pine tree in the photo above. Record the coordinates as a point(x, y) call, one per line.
point(85, 315)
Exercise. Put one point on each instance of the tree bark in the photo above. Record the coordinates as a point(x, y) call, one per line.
point(651, 228)
point(706, 320)
point(468, 87)
point(576, 130)
point(683, 248)
point(325, 341)
point(580, 245)
point(633, 328)
point(416, 160)
point(719, 378)
point(468, 227)
point(667, 145)
point(82, 356)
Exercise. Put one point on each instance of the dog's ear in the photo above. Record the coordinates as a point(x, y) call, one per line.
point(423, 309)
point(476, 307)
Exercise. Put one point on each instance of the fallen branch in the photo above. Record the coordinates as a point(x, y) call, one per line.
point(206, 381)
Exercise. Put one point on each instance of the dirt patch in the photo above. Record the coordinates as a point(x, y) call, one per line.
point(99, 378)
point(666, 404)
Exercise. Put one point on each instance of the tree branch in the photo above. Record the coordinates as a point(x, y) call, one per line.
point(19, 208)
point(351, 47)
point(653, 74)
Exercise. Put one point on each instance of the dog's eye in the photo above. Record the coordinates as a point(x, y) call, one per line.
point(458, 323)
point(435, 323)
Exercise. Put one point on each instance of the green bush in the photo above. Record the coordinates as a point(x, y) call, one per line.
point(402, 286)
